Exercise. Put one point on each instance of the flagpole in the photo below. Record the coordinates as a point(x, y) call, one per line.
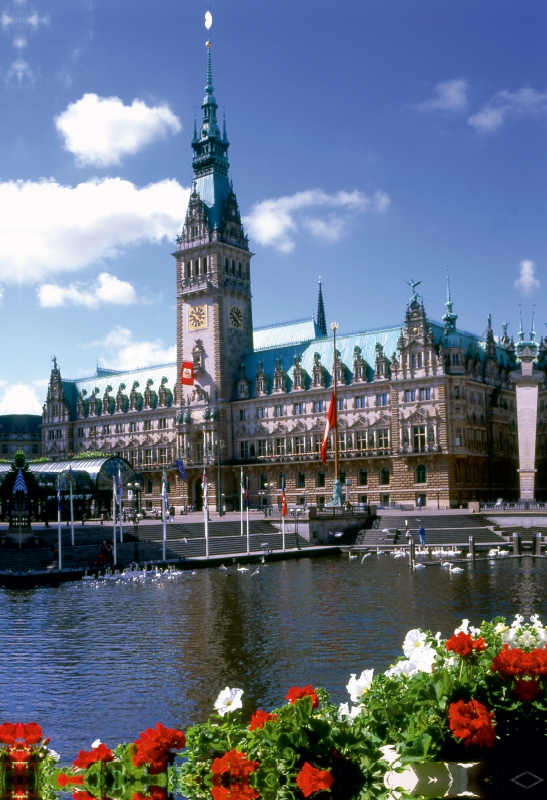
point(241, 499)
point(334, 327)
point(247, 506)
point(283, 531)
point(164, 521)
point(206, 515)
point(71, 509)
point(114, 539)
point(120, 500)
point(59, 537)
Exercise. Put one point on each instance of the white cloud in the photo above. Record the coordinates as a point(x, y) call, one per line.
point(21, 71)
point(126, 353)
point(100, 130)
point(1, 295)
point(527, 281)
point(106, 289)
point(505, 103)
point(20, 399)
point(47, 228)
point(451, 96)
point(277, 222)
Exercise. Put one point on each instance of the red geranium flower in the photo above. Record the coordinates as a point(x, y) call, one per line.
point(86, 758)
point(508, 662)
point(527, 690)
point(231, 777)
point(463, 644)
point(7, 733)
point(83, 796)
point(295, 693)
point(259, 718)
point(472, 723)
point(64, 780)
point(154, 746)
point(310, 779)
point(32, 733)
point(154, 793)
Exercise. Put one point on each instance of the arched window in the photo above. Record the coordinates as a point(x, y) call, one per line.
point(342, 476)
point(421, 474)
point(196, 267)
point(363, 477)
point(320, 479)
point(280, 480)
point(301, 480)
point(384, 476)
point(204, 265)
point(263, 480)
point(149, 486)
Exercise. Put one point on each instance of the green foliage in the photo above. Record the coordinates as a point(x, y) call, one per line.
point(95, 454)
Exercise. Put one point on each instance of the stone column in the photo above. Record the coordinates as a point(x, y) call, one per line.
point(527, 382)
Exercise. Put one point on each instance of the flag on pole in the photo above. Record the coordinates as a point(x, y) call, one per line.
point(20, 485)
point(180, 465)
point(283, 502)
point(71, 476)
point(331, 423)
point(165, 488)
point(247, 492)
point(187, 373)
point(204, 489)
point(58, 496)
point(120, 489)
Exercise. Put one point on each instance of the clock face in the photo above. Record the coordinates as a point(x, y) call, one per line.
point(236, 317)
point(197, 318)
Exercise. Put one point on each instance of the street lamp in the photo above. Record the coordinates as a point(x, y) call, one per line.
point(296, 513)
point(220, 508)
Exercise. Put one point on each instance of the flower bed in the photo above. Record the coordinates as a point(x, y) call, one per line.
point(477, 697)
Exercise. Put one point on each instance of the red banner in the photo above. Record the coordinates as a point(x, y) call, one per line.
point(187, 373)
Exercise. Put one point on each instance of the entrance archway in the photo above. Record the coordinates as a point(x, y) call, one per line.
point(197, 494)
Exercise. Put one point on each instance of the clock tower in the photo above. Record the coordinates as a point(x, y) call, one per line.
point(214, 316)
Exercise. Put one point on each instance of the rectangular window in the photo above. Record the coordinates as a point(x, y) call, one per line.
point(35, 448)
point(133, 426)
point(280, 411)
point(119, 427)
point(419, 438)
point(458, 437)
point(147, 425)
point(199, 452)
point(410, 395)
point(417, 360)
point(316, 443)
point(455, 360)
point(243, 414)
point(383, 438)
point(299, 444)
point(134, 457)
point(340, 404)
point(320, 500)
point(148, 457)
point(382, 399)
point(361, 440)
point(425, 394)
point(204, 265)
point(318, 406)
point(162, 424)
point(4, 448)
point(106, 430)
point(261, 413)
point(456, 392)
point(80, 433)
point(244, 449)
point(280, 447)
point(298, 408)
point(261, 448)
point(341, 442)
point(360, 402)
point(163, 455)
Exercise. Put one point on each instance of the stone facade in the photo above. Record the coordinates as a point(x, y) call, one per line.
point(425, 410)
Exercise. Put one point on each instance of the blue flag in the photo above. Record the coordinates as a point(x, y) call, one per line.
point(180, 465)
point(20, 485)
point(58, 498)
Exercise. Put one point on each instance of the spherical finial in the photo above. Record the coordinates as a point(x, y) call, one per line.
point(334, 326)
point(207, 43)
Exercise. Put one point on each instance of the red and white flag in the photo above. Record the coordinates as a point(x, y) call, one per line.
point(283, 502)
point(187, 373)
point(331, 423)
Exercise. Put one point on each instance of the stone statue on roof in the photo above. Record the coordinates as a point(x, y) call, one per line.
point(413, 284)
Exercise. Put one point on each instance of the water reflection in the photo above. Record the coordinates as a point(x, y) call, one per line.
point(107, 661)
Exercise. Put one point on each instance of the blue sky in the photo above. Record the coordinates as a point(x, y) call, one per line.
point(372, 141)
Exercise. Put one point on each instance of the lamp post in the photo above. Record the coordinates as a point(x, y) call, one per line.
point(220, 509)
point(133, 495)
point(296, 513)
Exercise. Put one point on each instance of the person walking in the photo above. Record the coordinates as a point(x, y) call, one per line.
point(421, 534)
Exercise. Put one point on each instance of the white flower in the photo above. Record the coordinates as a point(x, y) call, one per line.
point(407, 668)
point(541, 635)
point(228, 700)
point(424, 658)
point(413, 640)
point(55, 755)
point(358, 686)
point(465, 627)
point(438, 637)
point(536, 622)
point(527, 639)
point(509, 636)
point(501, 627)
point(344, 712)
point(96, 743)
point(517, 621)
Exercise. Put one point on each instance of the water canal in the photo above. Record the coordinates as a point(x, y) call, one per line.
point(105, 661)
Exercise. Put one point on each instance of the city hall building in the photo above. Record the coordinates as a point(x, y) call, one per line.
point(425, 410)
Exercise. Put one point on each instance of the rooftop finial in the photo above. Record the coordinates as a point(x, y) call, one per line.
point(209, 85)
point(533, 331)
point(521, 332)
point(195, 129)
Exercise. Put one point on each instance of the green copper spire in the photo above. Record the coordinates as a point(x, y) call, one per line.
point(210, 162)
point(449, 318)
point(321, 320)
point(521, 332)
point(533, 331)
